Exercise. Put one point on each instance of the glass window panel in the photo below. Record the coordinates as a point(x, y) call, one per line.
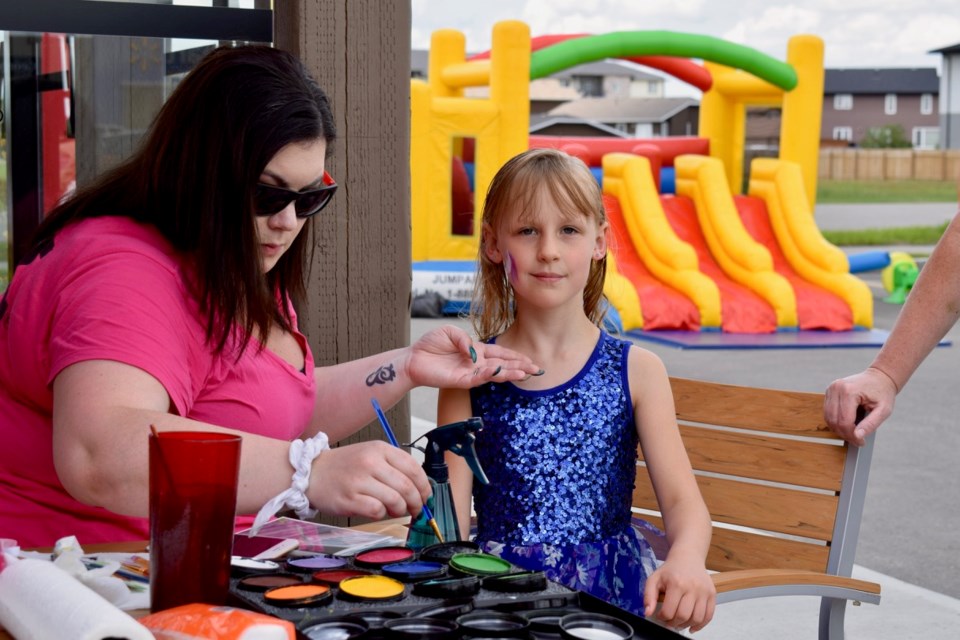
point(890, 104)
point(843, 101)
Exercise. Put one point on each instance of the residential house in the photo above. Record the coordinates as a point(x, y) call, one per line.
point(545, 124)
point(856, 100)
point(950, 97)
point(634, 117)
point(611, 78)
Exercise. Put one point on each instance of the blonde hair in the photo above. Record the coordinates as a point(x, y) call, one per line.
point(515, 191)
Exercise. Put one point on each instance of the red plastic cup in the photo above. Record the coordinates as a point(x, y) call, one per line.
point(193, 499)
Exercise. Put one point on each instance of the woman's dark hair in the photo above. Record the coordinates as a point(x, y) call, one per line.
point(193, 178)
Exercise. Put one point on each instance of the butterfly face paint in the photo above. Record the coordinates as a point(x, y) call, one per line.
point(510, 268)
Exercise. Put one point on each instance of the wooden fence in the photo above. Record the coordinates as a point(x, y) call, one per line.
point(888, 164)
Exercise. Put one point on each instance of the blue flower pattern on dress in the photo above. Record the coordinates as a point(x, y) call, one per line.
point(561, 464)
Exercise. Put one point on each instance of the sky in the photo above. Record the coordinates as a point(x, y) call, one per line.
point(856, 33)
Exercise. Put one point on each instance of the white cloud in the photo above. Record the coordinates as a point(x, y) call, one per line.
point(856, 33)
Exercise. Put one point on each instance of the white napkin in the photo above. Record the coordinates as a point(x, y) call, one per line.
point(40, 601)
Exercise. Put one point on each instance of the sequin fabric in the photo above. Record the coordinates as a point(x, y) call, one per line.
point(561, 464)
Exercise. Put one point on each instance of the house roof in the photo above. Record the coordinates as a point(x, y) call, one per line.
point(624, 109)
point(953, 48)
point(610, 67)
point(419, 61)
point(545, 121)
point(880, 81)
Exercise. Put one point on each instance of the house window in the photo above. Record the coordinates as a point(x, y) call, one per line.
point(926, 103)
point(926, 137)
point(843, 101)
point(843, 133)
point(590, 86)
point(890, 104)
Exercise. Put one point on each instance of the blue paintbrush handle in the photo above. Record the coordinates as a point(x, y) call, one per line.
point(393, 440)
point(383, 423)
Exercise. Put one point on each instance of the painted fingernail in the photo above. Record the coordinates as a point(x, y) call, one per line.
point(473, 353)
point(540, 373)
point(496, 372)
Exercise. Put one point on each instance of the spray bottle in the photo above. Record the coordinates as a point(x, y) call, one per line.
point(458, 438)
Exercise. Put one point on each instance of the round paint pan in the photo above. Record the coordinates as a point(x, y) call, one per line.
point(446, 588)
point(340, 628)
point(493, 624)
point(422, 629)
point(333, 577)
point(240, 567)
point(263, 582)
point(414, 571)
point(371, 588)
point(315, 563)
point(445, 550)
point(479, 564)
point(447, 610)
point(545, 623)
point(299, 595)
point(522, 582)
point(380, 556)
point(594, 626)
point(376, 618)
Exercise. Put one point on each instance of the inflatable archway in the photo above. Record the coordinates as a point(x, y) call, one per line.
point(625, 44)
point(680, 68)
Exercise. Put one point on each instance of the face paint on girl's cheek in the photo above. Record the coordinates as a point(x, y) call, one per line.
point(510, 268)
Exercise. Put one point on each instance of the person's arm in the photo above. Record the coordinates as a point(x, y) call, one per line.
point(453, 405)
point(689, 595)
point(445, 357)
point(102, 413)
point(932, 307)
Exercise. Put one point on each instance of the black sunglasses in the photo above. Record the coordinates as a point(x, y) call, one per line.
point(268, 199)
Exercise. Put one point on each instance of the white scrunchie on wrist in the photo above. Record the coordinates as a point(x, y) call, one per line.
point(302, 454)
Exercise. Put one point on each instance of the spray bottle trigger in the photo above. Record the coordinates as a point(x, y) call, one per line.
point(469, 453)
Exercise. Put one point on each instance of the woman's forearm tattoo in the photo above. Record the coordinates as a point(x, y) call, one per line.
point(383, 375)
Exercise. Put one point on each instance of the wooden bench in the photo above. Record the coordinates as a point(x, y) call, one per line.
point(784, 492)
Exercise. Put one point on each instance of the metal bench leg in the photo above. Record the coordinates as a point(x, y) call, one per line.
point(832, 611)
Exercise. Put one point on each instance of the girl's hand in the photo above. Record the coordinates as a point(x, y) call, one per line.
point(689, 595)
point(448, 358)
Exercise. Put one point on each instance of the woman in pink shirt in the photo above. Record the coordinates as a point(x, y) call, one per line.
point(163, 294)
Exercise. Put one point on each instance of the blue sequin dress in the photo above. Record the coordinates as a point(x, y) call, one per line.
point(561, 464)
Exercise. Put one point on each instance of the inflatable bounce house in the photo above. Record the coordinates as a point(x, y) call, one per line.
point(689, 253)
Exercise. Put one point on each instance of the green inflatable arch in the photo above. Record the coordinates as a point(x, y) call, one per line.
point(625, 44)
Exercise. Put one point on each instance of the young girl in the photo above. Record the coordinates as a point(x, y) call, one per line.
point(560, 447)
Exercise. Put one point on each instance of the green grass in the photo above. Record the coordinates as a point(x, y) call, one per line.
point(886, 237)
point(862, 191)
point(879, 191)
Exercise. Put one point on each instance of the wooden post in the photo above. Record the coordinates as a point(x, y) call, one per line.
point(359, 287)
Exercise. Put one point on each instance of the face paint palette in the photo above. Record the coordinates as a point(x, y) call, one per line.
point(298, 595)
point(399, 592)
point(315, 563)
point(414, 571)
point(334, 577)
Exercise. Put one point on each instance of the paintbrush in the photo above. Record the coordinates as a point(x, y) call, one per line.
point(393, 440)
